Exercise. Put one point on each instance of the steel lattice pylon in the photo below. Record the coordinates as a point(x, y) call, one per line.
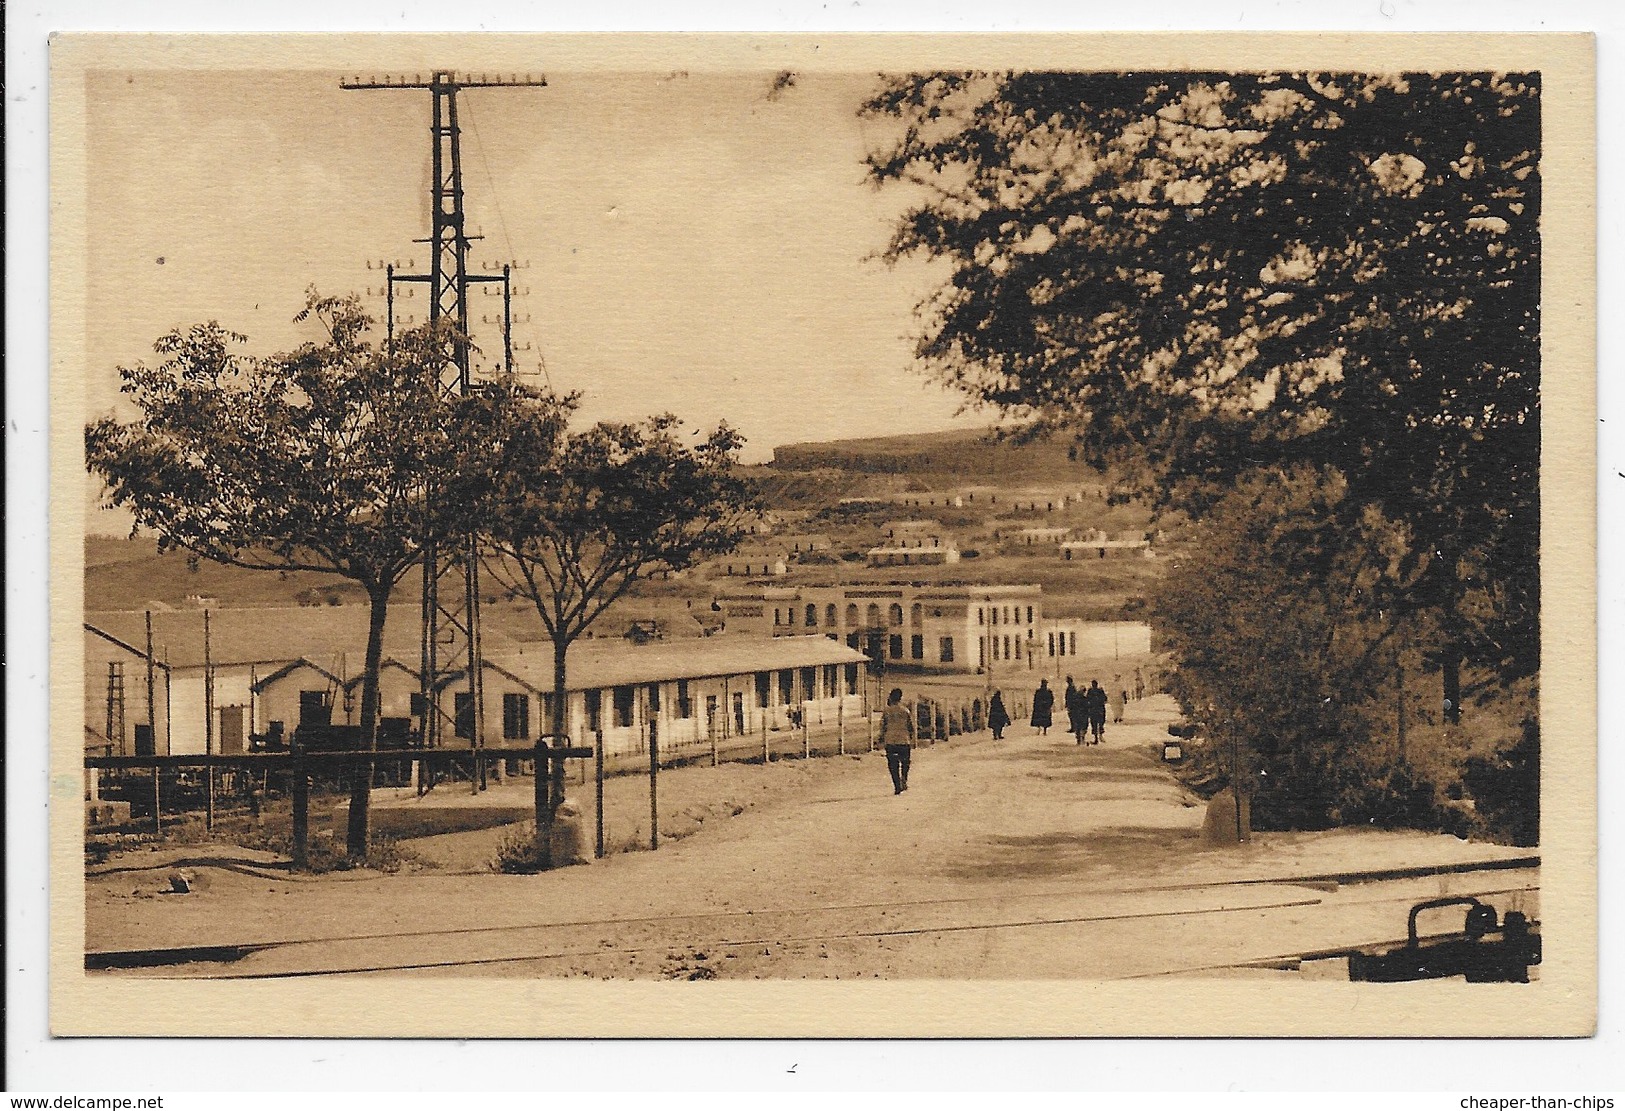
point(450, 640)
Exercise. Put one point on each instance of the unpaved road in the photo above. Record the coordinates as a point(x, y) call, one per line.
point(1029, 858)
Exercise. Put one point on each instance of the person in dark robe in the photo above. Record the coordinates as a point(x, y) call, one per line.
point(1095, 699)
point(1043, 707)
point(1077, 716)
point(998, 718)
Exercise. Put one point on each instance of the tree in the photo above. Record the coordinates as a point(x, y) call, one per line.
point(574, 520)
point(1199, 274)
point(1283, 651)
point(322, 459)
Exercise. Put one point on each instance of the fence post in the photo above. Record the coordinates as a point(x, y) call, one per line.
point(767, 756)
point(598, 775)
point(711, 731)
point(654, 774)
point(869, 727)
point(806, 740)
point(157, 798)
point(300, 789)
point(840, 723)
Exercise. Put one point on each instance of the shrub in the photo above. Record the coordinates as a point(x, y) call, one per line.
point(521, 852)
point(1505, 787)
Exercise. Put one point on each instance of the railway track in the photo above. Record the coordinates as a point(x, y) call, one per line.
point(1145, 932)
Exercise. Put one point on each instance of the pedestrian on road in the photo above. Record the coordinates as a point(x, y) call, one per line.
point(1077, 715)
point(897, 734)
point(998, 718)
point(1139, 684)
point(1095, 699)
point(1043, 707)
point(1120, 703)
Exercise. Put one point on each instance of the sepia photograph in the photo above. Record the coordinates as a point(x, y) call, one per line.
point(844, 536)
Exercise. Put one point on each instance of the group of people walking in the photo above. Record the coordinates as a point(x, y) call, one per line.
point(1085, 713)
point(1085, 710)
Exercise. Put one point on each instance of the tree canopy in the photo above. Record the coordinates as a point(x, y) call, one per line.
point(331, 458)
point(573, 520)
point(1196, 275)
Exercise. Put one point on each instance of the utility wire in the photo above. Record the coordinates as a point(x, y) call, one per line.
point(502, 223)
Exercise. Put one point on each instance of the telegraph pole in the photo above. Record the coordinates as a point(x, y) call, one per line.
point(451, 625)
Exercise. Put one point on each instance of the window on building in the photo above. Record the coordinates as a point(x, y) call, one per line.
point(764, 688)
point(417, 704)
point(1074, 637)
point(516, 717)
point(1007, 615)
point(812, 615)
point(1018, 647)
point(981, 652)
point(829, 614)
point(946, 649)
point(594, 701)
point(1029, 615)
point(852, 613)
point(895, 646)
point(624, 697)
point(653, 695)
point(873, 613)
point(895, 613)
point(1007, 648)
point(915, 614)
point(916, 647)
point(463, 715)
point(685, 700)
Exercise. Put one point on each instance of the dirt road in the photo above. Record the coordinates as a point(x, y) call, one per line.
point(1026, 858)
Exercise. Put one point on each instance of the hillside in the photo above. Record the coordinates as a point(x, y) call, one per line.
point(962, 456)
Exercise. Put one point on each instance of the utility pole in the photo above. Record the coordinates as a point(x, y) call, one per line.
point(450, 624)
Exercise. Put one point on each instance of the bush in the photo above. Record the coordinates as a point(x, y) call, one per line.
point(521, 852)
point(1505, 788)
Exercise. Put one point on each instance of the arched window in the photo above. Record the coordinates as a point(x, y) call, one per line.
point(812, 615)
point(895, 613)
point(873, 613)
point(829, 614)
point(915, 613)
point(852, 613)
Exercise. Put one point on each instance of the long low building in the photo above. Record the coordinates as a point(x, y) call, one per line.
point(683, 693)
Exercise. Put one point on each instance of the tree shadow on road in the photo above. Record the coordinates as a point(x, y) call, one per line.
point(1053, 855)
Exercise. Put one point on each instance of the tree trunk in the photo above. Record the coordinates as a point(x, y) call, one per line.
point(357, 838)
point(545, 768)
point(1450, 670)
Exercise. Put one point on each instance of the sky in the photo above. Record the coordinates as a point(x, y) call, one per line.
point(694, 244)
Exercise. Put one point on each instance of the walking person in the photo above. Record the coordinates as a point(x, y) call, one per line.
point(1095, 699)
point(1077, 719)
point(1119, 704)
point(897, 734)
point(998, 718)
point(1043, 708)
point(1139, 684)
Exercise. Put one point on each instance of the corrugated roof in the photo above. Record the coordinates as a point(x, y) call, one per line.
point(273, 634)
point(593, 666)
